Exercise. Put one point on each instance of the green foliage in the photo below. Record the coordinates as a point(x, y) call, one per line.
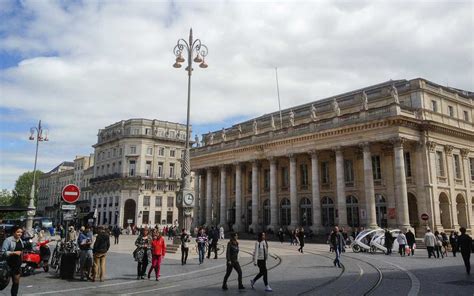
point(6, 197)
point(21, 194)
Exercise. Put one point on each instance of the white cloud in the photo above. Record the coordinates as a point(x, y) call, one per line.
point(89, 64)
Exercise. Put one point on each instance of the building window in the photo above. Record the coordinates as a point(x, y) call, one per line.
point(304, 176)
point(133, 149)
point(327, 212)
point(114, 152)
point(284, 177)
point(171, 187)
point(135, 131)
point(451, 111)
point(466, 116)
point(160, 169)
point(172, 170)
point(457, 166)
point(169, 217)
point(148, 169)
point(149, 150)
point(131, 168)
point(172, 153)
point(120, 151)
point(439, 163)
point(407, 165)
point(158, 201)
point(146, 201)
point(146, 217)
point(266, 212)
point(161, 133)
point(434, 106)
point(266, 181)
point(352, 205)
point(170, 202)
point(285, 212)
point(306, 214)
point(157, 217)
point(249, 182)
point(471, 162)
point(376, 170)
point(147, 131)
point(324, 172)
point(119, 169)
point(172, 134)
point(348, 172)
point(161, 151)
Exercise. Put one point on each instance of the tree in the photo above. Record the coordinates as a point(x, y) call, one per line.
point(21, 194)
point(6, 197)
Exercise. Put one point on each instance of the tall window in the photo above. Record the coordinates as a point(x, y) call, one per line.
point(158, 201)
point(170, 202)
point(306, 214)
point(439, 163)
point(434, 106)
point(266, 212)
point(376, 170)
point(352, 205)
point(149, 150)
point(381, 210)
point(146, 201)
point(304, 175)
point(471, 162)
point(407, 165)
point(133, 149)
point(457, 166)
point(284, 177)
point(466, 116)
point(266, 181)
point(169, 217)
point(171, 170)
point(348, 172)
point(324, 172)
point(327, 211)
point(249, 182)
point(451, 111)
point(160, 169)
point(148, 169)
point(172, 153)
point(161, 151)
point(285, 212)
point(146, 217)
point(131, 167)
point(157, 217)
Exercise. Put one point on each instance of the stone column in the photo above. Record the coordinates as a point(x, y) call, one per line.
point(369, 187)
point(273, 195)
point(467, 181)
point(254, 224)
point(202, 199)
point(293, 193)
point(451, 175)
point(340, 189)
point(432, 188)
point(238, 197)
point(401, 196)
point(223, 206)
point(316, 195)
point(209, 196)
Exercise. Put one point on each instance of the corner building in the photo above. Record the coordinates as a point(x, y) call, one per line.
point(378, 156)
point(137, 172)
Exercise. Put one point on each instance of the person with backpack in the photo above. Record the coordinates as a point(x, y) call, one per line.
point(142, 253)
point(465, 245)
point(101, 246)
point(260, 256)
point(232, 258)
point(116, 232)
point(438, 245)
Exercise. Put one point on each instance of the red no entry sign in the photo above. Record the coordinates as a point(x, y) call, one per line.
point(71, 193)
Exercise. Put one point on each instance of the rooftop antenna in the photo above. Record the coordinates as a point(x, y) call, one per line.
point(278, 93)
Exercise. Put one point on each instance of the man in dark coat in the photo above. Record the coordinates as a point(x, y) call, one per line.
point(337, 242)
point(410, 241)
point(465, 245)
point(213, 238)
point(453, 241)
point(388, 244)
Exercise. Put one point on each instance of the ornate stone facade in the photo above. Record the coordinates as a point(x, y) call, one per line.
point(407, 151)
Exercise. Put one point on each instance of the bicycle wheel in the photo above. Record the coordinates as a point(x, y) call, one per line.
point(220, 249)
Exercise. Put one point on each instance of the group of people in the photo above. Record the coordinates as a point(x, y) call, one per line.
point(296, 236)
point(151, 248)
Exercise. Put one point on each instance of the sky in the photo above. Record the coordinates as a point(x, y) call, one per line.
point(82, 65)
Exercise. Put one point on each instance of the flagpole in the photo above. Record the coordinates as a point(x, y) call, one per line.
point(278, 93)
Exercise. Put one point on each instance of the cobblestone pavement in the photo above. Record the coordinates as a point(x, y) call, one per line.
point(290, 273)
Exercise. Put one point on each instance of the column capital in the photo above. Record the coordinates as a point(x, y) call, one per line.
point(272, 159)
point(365, 146)
point(398, 142)
point(431, 145)
point(464, 152)
point(448, 149)
point(291, 156)
point(313, 153)
point(236, 163)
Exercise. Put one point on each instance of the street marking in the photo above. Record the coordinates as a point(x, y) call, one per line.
point(145, 291)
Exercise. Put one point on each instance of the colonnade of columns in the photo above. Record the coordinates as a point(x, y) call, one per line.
point(401, 199)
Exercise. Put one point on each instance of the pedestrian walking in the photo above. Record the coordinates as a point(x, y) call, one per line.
point(438, 245)
point(213, 238)
point(85, 256)
point(116, 231)
point(12, 249)
point(71, 235)
point(301, 237)
point(158, 251)
point(281, 235)
point(338, 244)
point(232, 258)
point(430, 242)
point(402, 242)
point(221, 232)
point(453, 241)
point(465, 245)
point(410, 241)
point(260, 256)
point(388, 242)
point(101, 246)
point(201, 241)
point(184, 246)
point(142, 253)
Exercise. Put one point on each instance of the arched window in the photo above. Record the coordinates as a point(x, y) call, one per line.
point(381, 210)
point(352, 205)
point(306, 212)
point(327, 211)
point(285, 212)
point(232, 213)
point(266, 212)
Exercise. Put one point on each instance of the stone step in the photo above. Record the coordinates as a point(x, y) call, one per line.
point(172, 248)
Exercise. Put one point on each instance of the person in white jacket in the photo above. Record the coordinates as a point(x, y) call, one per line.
point(430, 241)
point(402, 242)
point(260, 256)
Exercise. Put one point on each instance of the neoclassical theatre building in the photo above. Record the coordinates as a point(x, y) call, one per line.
point(380, 156)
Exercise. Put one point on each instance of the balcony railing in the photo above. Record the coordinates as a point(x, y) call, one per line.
point(153, 176)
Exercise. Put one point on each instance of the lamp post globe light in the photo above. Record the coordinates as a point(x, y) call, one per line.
point(195, 51)
point(38, 132)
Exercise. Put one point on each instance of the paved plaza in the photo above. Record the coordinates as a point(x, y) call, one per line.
point(290, 273)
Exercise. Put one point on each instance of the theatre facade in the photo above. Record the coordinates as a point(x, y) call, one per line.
point(384, 156)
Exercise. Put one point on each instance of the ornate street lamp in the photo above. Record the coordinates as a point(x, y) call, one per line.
point(195, 51)
point(31, 206)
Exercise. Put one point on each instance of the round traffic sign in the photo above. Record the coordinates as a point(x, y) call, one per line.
point(71, 193)
point(424, 217)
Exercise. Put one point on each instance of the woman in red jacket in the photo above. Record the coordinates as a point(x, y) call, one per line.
point(158, 251)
